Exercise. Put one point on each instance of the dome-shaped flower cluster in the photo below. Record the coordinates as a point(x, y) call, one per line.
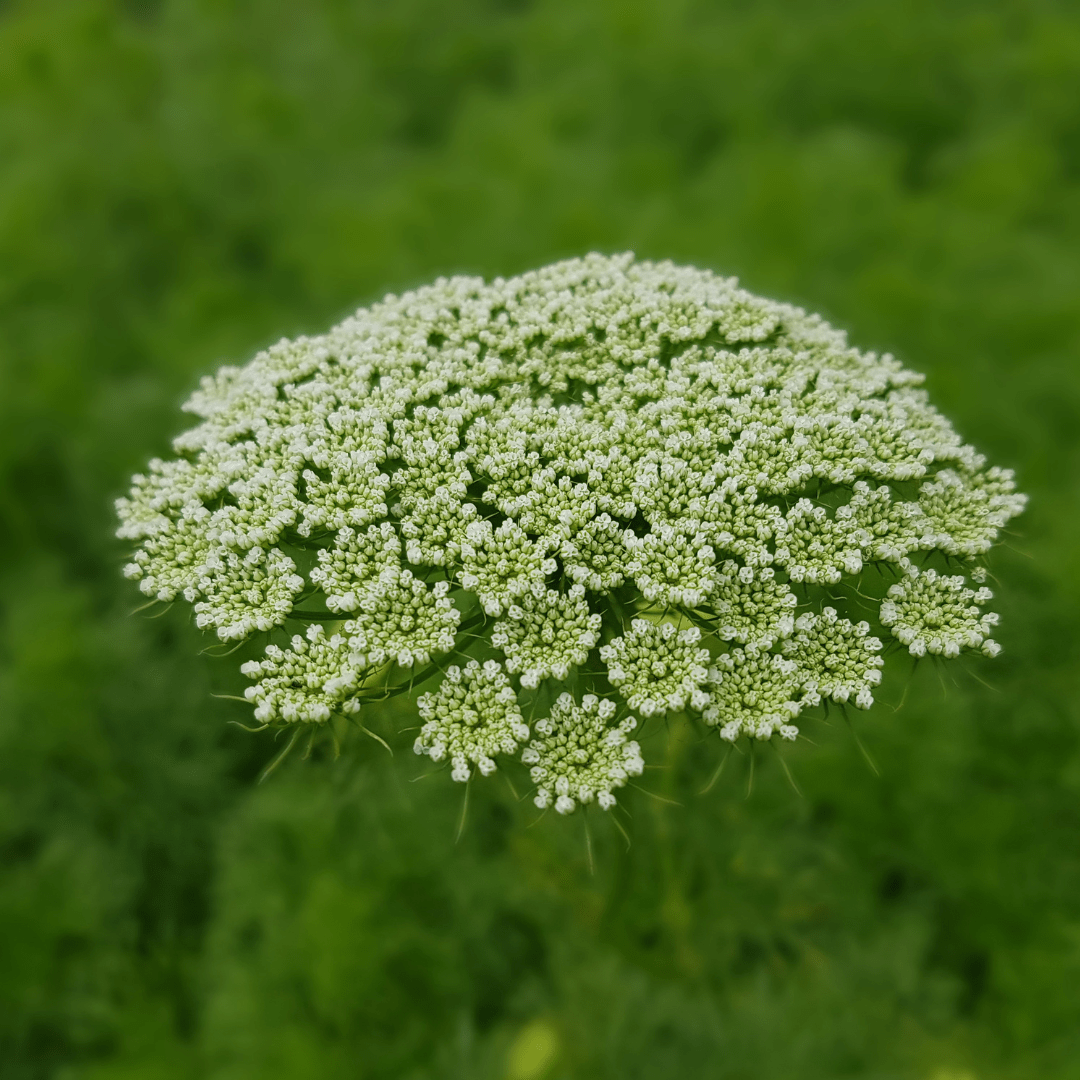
point(473, 716)
point(658, 667)
point(934, 613)
point(577, 755)
point(754, 693)
point(547, 633)
point(602, 481)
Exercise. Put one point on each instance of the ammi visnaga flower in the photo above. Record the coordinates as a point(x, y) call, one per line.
point(600, 489)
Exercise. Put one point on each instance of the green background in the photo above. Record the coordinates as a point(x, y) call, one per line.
point(182, 183)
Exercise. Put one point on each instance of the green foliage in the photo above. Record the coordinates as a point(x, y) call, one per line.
point(184, 182)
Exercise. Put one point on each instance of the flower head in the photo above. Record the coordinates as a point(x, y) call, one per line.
point(578, 755)
point(754, 693)
point(658, 667)
point(839, 659)
point(405, 620)
point(934, 613)
point(546, 633)
point(635, 480)
point(473, 716)
point(307, 682)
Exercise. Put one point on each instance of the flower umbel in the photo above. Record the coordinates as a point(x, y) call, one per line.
point(577, 756)
point(605, 485)
point(473, 716)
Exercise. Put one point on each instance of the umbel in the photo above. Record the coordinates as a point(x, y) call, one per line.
point(566, 503)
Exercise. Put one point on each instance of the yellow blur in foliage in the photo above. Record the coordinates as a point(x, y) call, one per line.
point(534, 1052)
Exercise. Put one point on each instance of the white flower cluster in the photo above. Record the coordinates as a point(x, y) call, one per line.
point(499, 565)
point(577, 756)
point(357, 566)
point(752, 606)
point(307, 682)
point(546, 634)
point(594, 555)
point(671, 568)
point(473, 716)
point(245, 592)
point(658, 667)
point(404, 621)
point(633, 478)
point(754, 693)
point(840, 658)
point(934, 613)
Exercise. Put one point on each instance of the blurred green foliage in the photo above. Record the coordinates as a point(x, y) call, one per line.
point(182, 182)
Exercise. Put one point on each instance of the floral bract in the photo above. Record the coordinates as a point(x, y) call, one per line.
point(605, 479)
